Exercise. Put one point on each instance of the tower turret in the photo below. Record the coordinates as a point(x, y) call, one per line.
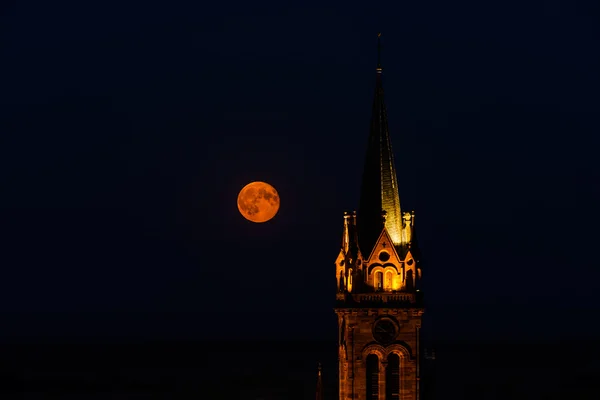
point(385, 235)
point(349, 273)
point(346, 233)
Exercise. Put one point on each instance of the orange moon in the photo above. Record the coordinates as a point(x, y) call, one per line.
point(258, 202)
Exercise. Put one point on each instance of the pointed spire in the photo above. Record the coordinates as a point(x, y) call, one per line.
point(354, 246)
point(319, 385)
point(379, 69)
point(346, 234)
point(379, 191)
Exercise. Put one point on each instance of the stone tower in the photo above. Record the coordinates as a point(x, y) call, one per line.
point(378, 302)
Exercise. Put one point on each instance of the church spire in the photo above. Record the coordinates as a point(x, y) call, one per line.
point(379, 190)
point(379, 304)
point(319, 385)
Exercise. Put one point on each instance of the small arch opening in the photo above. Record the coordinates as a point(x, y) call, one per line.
point(378, 281)
point(350, 279)
point(388, 281)
point(410, 283)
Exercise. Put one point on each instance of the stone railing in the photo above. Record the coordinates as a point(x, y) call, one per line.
point(378, 298)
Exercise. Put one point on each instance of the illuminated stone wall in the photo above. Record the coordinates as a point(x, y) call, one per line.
point(357, 340)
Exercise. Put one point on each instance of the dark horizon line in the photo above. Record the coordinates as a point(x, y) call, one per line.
point(141, 340)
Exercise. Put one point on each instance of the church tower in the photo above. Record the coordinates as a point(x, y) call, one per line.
point(378, 302)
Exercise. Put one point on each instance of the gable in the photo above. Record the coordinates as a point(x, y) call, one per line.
point(409, 259)
point(384, 251)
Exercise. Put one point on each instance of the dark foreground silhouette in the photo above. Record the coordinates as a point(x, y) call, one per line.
point(284, 370)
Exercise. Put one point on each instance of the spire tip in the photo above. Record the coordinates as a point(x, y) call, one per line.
point(379, 52)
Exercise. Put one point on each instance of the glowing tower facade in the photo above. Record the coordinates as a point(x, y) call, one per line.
point(378, 302)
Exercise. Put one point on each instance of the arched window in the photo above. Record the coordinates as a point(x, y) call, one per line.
point(350, 279)
point(392, 378)
point(372, 377)
point(388, 281)
point(378, 280)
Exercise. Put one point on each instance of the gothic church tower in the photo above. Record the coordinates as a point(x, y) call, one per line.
point(378, 303)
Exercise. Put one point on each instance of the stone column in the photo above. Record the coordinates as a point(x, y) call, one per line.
point(383, 364)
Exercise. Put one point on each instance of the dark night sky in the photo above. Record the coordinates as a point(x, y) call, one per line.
point(127, 129)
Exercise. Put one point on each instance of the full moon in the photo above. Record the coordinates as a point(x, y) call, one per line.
point(258, 202)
